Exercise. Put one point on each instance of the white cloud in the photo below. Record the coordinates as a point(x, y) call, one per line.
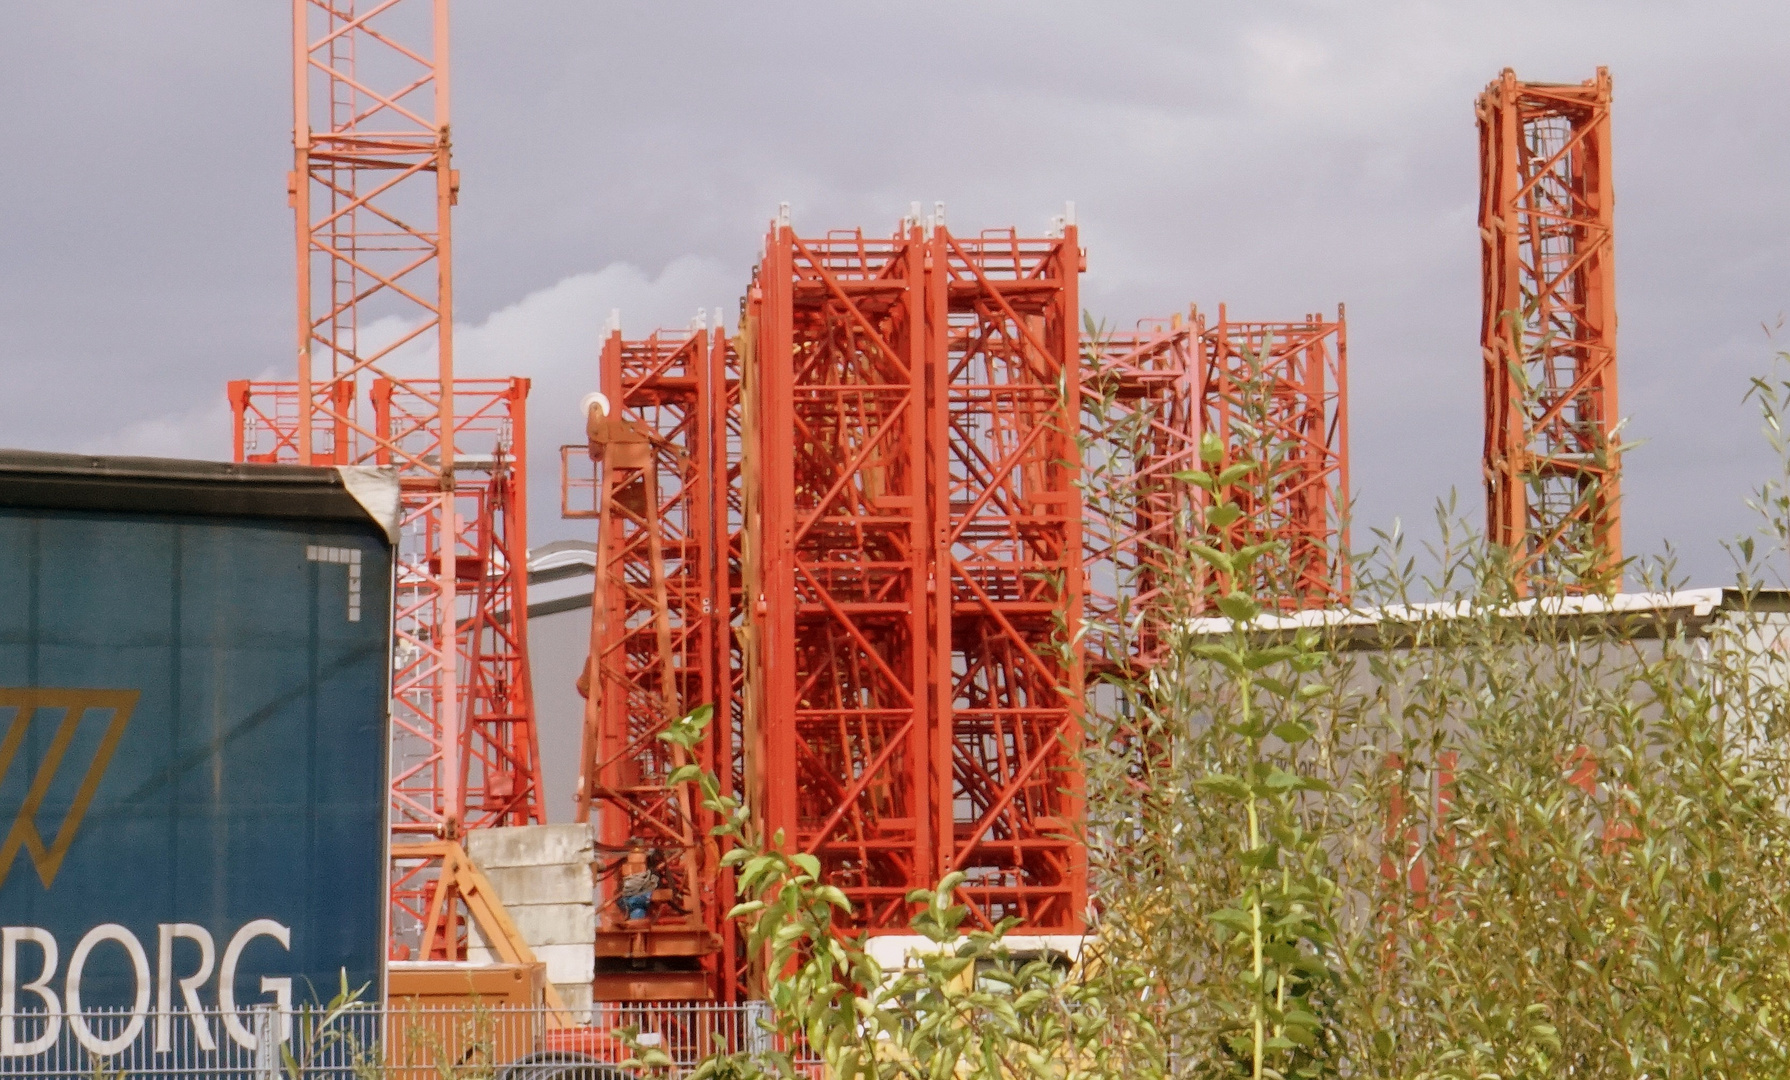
point(201, 433)
point(196, 433)
point(551, 336)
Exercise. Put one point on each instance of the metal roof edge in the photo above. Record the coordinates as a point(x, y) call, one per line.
point(1680, 606)
point(32, 479)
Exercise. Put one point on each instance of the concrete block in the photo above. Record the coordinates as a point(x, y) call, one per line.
point(578, 999)
point(530, 845)
point(568, 963)
point(541, 875)
point(549, 925)
point(556, 924)
point(559, 883)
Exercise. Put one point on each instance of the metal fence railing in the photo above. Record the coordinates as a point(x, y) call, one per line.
point(373, 1042)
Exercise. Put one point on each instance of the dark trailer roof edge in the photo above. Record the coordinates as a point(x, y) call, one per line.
point(31, 479)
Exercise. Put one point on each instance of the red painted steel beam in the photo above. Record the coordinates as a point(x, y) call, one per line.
point(727, 513)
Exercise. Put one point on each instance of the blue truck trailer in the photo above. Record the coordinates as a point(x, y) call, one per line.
point(194, 703)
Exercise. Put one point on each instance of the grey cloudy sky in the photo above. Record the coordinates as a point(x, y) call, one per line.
point(1280, 157)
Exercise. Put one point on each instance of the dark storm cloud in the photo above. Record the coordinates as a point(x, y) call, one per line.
point(1278, 157)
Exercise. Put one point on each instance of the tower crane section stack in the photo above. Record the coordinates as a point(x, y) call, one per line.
point(1004, 355)
point(842, 755)
point(1548, 330)
point(658, 649)
point(913, 565)
point(498, 759)
point(1140, 423)
point(1276, 393)
point(858, 529)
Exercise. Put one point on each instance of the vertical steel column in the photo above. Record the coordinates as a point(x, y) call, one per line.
point(751, 608)
point(773, 608)
point(727, 518)
point(1548, 330)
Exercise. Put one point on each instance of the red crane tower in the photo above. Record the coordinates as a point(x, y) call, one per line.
point(372, 188)
point(659, 648)
point(1548, 331)
point(1142, 426)
point(1279, 391)
point(913, 565)
point(838, 740)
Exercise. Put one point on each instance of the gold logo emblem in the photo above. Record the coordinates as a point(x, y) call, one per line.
point(24, 703)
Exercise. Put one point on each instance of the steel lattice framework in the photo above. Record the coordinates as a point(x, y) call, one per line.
point(1005, 365)
point(372, 188)
point(1548, 331)
point(1141, 426)
point(1278, 391)
point(837, 554)
point(728, 498)
point(659, 620)
point(488, 754)
point(913, 565)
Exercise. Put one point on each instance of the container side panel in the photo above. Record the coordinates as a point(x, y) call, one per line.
point(192, 756)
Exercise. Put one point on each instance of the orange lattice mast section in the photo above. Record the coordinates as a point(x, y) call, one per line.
point(1141, 419)
point(1548, 331)
point(497, 759)
point(913, 566)
point(1004, 357)
point(839, 745)
point(372, 188)
point(657, 615)
point(1278, 391)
